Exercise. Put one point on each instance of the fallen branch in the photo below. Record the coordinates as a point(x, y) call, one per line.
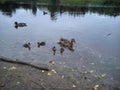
point(23, 63)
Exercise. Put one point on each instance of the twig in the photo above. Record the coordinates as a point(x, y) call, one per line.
point(23, 63)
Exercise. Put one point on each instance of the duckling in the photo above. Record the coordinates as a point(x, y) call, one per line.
point(44, 12)
point(42, 43)
point(27, 45)
point(67, 43)
point(54, 50)
point(20, 24)
point(38, 44)
point(61, 50)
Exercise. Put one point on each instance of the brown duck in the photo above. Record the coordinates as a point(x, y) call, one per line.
point(27, 45)
point(67, 43)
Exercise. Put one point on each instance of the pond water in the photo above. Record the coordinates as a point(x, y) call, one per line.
point(95, 29)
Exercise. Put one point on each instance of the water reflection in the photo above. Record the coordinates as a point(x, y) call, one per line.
point(55, 9)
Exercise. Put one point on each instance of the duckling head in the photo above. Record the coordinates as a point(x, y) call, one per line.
point(73, 40)
point(29, 43)
point(16, 23)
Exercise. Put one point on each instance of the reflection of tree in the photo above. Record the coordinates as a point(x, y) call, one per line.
point(34, 9)
point(55, 9)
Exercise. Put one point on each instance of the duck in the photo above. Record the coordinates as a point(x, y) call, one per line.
point(44, 12)
point(67, 43)
point(54, 50)
point(41, 44)
point(20, 24)
point(61, 50)
point(27, 45)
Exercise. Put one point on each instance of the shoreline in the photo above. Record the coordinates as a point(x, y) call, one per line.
point(22, 77)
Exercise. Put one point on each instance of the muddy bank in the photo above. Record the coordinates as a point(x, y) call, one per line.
point(22, 77)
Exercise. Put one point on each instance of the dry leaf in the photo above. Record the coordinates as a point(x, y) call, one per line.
point(53, 70)
point(63, 76)
point(43, 71)
point(96, 87)
point(103, 75)
point(49, 74)
point(12, 68)
point(74, 85)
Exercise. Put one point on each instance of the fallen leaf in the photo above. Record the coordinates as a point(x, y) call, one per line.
point(91, 71)
point(49, 74)
point(92, 63)
point(103, 75)
point(73, 70)
point(12, 68)
point(18, 82)
point(2, 84)
point(63, 76)
point(43, 71)
point(52, 62)
point(74, 86)
point(53, 70)
point(4, 67)
point(96, 87)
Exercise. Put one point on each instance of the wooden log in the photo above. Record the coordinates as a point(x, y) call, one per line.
point(22, 63)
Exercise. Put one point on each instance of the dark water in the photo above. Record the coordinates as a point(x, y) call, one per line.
point(95, 29)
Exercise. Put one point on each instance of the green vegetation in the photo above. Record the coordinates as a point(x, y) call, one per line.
point(72, 2)
point(85, 2)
